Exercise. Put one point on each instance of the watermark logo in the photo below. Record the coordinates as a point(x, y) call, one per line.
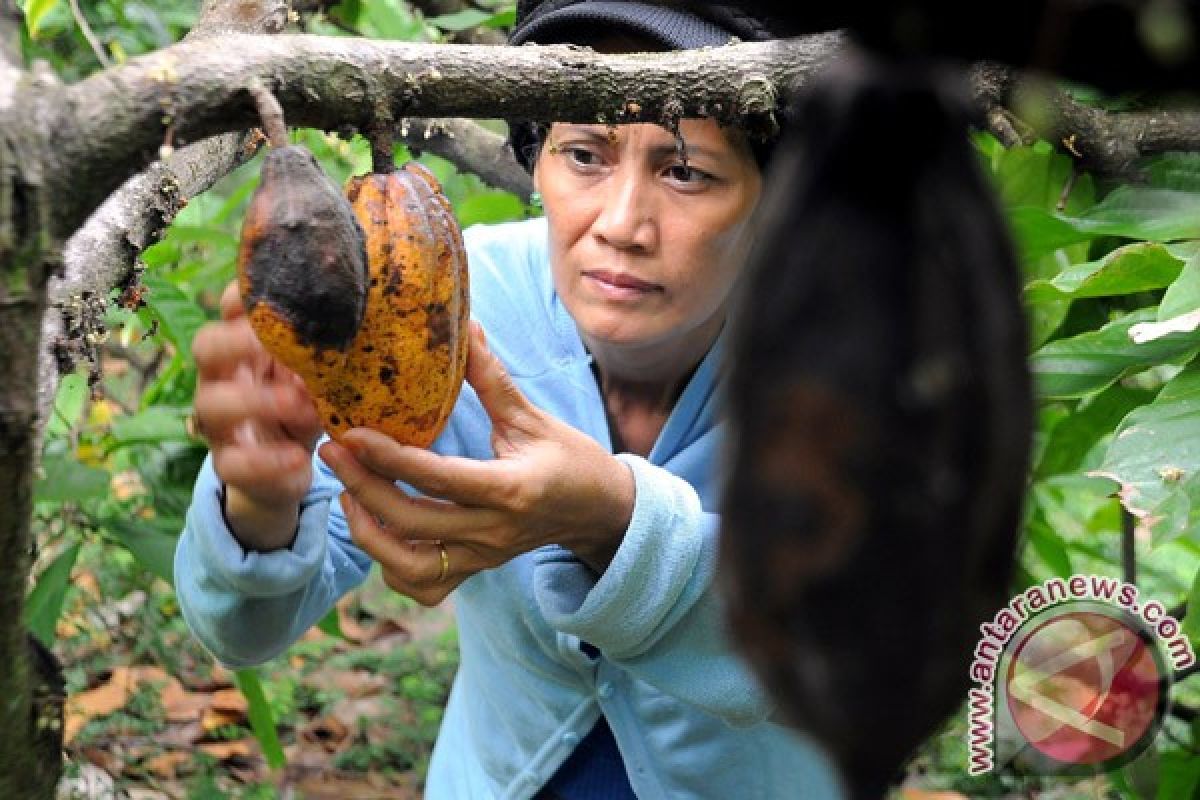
point(1072, 676)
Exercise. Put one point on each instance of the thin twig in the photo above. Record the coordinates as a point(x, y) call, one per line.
point(1128, 548)
point(271, 114)
point(86, 29)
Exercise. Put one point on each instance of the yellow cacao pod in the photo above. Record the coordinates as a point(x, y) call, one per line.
point(401, 370)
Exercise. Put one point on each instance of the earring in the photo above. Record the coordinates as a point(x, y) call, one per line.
point(535, 200)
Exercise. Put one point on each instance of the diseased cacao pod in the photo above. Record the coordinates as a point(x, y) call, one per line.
point(302, 266)
point(365, 296)
point(881, 417)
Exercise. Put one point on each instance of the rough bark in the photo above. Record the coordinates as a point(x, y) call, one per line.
point(27, 257)
point(30, 257)
point(102, 253)
point(10, 33)
point(113, 123)
point(471, 147)
point(1105, 142)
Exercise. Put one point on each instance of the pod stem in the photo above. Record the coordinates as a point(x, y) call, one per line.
point(383, 158)
point(271, 114)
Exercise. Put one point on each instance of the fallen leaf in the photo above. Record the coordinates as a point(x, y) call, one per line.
point(351, 683)
point(180, 705)
point(223, 751)
point(166, 765)
point(922, 794)
point(328, 732)
point(214, 719)
point(108, 697)
point(85, 580)
point(230, 700)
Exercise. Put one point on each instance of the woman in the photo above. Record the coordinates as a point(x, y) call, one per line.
point(593, 663)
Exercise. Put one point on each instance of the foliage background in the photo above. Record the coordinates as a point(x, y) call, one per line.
point(1118, 419)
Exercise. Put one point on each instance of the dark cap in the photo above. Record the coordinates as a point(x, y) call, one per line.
point(671, 26)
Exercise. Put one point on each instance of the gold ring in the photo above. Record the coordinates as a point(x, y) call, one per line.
point(445, 563)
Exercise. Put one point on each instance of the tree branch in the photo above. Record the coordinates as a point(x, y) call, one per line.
point(476, 35)
point(472, 148)
point(11, 21)
point(1105, 142)
point(101, 254)
point(113, 122)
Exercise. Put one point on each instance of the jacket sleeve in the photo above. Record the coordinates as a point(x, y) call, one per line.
point(247, 607)
point(655, 611)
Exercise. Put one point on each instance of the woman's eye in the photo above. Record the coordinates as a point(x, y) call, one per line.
point(581, 156)
point(685, 174)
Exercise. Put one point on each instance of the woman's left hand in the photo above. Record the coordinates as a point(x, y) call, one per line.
point(548, 483)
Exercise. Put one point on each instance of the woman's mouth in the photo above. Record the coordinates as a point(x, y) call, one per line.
point(619, 285)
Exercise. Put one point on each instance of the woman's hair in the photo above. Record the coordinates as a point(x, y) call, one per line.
point(611, 26)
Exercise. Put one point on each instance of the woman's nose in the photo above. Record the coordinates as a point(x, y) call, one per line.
point(626, 219)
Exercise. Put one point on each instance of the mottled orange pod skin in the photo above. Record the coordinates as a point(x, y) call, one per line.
point(302, 266)
point(406, 366)
point(381, 347)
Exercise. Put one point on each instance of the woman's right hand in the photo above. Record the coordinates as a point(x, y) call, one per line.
point(260, 424)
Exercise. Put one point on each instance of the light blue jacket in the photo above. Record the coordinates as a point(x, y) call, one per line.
point(690, 720)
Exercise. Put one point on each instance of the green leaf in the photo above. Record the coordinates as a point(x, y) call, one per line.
point(35, 14)
point(504, 18)
point(69, 402)
point(67, 481)
point(1045, 316)
point(1191, 620)
point(1155, 458)
point(1049, 548)
point(1179, 775)
point(460, 20)
point(1175, 171)
point(178, 315)
point(1135, 212)
point(262, 720)
point(1143, 774)
point(1091, 361)
point(489, 207)
point(1036, 175)
point(1078, 433)
point(331, 626)
point(45, 602)
point(153, 424)
point(1039, 232)
point(1134, 268)
point(389, 19)
point(1183, 295)
point(152, 542)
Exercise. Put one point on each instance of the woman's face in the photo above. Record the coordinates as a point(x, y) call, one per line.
point(644, 249)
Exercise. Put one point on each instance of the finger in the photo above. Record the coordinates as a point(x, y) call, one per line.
point(265, 470)
point(410, 564)
point(220, 347)
point(232, 306)
point(409, 517)
point(222, 406)
point(497, 391)
point(465, 481)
